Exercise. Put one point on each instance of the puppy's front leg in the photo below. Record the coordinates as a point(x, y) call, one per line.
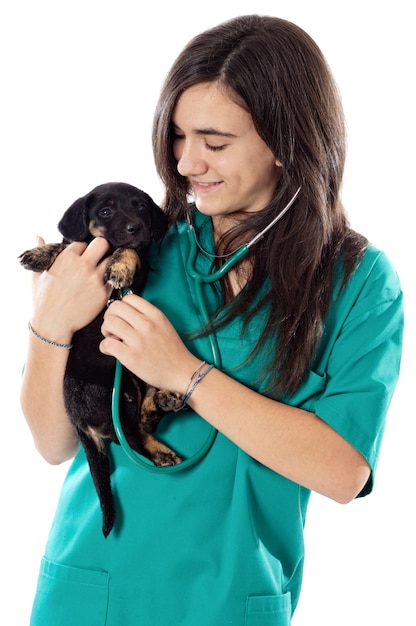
point(42, 257)
point(121, 267)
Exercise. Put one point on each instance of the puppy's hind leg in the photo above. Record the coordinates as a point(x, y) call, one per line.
point(98, 461)
point(150, 415)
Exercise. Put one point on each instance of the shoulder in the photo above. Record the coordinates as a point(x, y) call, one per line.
point(377, 264)
point(374, 280)
point(368, 309)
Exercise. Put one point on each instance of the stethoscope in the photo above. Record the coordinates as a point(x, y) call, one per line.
point(199, 280)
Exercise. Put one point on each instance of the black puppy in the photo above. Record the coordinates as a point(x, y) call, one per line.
point(129, 219)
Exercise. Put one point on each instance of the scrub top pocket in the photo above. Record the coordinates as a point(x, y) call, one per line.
point(67, 595)
point(268, 610)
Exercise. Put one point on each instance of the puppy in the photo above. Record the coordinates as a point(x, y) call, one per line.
point(129, 219)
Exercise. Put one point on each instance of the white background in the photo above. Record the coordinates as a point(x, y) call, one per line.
point(79, 81)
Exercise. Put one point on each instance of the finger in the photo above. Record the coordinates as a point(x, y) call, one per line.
point(119, 335)
point(93, 251)
point(141, 305)
point(78, 247)
point(119, 318)
point(114, 347)
point(97, 248)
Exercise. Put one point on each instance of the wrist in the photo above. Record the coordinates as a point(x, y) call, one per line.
point(195, 379)
point(50, 335)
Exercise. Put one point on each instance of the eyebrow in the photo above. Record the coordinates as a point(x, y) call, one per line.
point(213, 132)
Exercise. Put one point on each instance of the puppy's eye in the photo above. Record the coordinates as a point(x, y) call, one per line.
point(139, 206)
point(106, 212)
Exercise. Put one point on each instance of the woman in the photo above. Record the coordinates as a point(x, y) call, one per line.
point(304, 332)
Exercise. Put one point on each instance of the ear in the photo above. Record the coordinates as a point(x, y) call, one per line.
point(74, 223)
point(159, 220)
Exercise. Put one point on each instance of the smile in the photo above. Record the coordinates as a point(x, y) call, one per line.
point(197, 185)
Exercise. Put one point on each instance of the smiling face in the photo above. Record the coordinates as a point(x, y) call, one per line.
point(229, 167)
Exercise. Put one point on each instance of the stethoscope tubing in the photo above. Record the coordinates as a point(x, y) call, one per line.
point(199, 279)
point(134, 456)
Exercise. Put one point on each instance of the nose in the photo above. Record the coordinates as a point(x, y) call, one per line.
point(131, 228)
point(189, 159)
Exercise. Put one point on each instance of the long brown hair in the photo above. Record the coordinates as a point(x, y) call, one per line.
point(279, 75)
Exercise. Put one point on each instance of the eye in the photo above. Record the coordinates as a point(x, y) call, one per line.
point(215, 148)
point(139, 206)
point(175, 132)
point(106, 211)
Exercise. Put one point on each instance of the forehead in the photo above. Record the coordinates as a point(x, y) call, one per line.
point(209, 106)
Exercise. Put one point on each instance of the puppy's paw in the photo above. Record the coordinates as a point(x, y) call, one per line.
point(158, 452)
point(164, 457)
point(168, 400)
point(121, 268)
point(40, 258)
point(118, 275)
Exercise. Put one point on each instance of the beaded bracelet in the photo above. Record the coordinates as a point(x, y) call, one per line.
point(67, 346)
point(199, 376)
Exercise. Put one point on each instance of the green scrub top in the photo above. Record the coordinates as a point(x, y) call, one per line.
point(220, 542)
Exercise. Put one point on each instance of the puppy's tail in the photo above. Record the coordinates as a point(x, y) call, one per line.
point(101, 475)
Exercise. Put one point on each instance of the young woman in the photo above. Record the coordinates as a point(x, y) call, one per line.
point(302, 328)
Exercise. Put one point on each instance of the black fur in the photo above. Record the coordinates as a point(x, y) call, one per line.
point(129, 219)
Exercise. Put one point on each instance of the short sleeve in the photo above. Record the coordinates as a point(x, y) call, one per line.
point(361, 358)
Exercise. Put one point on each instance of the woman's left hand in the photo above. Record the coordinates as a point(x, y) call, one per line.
point(291, 441)
point(141, 337)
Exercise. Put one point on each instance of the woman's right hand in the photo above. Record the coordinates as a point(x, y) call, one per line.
point(65, 299)
point(72, 292)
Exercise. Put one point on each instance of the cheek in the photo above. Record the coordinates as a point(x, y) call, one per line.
point(265, 168)
point(97, 230)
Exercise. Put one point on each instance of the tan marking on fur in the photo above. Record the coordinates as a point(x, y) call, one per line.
point(121, 267)
point(130, 257)
point(161, 455)
point(99, 441)
point(41, 258)
point(95, 230)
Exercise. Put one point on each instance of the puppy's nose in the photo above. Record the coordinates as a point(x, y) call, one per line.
point(131, 228)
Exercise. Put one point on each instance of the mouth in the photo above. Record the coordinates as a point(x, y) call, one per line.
point(138, 242)
point(201, 187)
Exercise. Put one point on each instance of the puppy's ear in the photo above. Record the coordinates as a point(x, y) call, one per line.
point(74, 223)
point(159, 220)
